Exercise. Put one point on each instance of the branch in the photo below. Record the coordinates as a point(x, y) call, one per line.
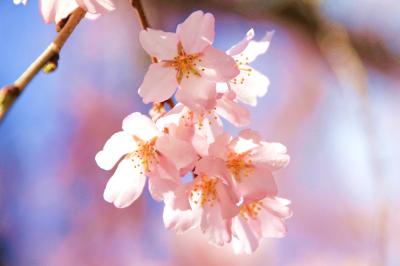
point(47, 61)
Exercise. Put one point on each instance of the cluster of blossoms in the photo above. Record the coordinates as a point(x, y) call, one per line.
point(232, 193)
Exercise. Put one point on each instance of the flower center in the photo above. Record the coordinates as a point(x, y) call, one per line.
point(239, 165)
point(185, 64)
point(251, 210)
point(145, 154)
point(191, 119)
point(204, 191)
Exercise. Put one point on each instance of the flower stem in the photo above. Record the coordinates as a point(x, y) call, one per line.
point(10, 93)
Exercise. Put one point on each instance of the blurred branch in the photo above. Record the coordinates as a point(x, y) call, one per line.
point(46, 61)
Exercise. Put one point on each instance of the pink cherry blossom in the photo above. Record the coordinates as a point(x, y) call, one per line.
point(200, 129)
point(250, 163)
point(250, 83)
point(56, 10)
point(206, 202)
point(257, 220)
point(186, 60)
point(146, 152)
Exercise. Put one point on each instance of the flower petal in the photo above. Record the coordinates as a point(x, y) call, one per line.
point(179, 220)
point(197, 94)
point(217, 66)
point(255, 48)
point(96, 6)
point(125, 186)
point(159, 83)
point(160, 44)
point(270, 154)
point(272, 217)
point(256, 185)
point(140, 125)
point(233, 112)
point(211, 166)
point(219, 148)
point(179, 152)
point(197, 32)
point(118, 145)
point(217, 229)
point(244, 240)
point(240, 46)
point(54, 11)
point(249, 85)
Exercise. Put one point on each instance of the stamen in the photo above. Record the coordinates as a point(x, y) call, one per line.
point(239, 166)
point(145, 154)
point(185, 64)
point(251, 210)
point(204, 191)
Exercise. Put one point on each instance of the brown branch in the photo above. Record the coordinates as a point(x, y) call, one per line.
point(10, 93)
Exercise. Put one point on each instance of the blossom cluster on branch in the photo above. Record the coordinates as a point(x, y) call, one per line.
point(231, 195)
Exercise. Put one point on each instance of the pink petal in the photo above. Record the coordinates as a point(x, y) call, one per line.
point(179, 198)
point(159, 187)
point(217, 229)
point(227, 200)
point(273, 155)
point(244, 240)
point(118, 145)
point(56, 10)
point(179, 152)
point(272, 217)
point(140, 125)
point(197, 93)
point(249, 85)
point(233, 112)
point(180, 220)
point(219, 148)
point(159, 83)
point(206, 133)
point(173, 117)
point(125, 186)
point(160, 44)
point(218, 66)
point(256, 186)
point(164, 169)
point(240, 46)
point(197, 32)
point(211, 166)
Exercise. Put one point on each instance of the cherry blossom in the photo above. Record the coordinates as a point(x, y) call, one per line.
point(250, 83)
point(206, 202)
point(56, 10)
point(257, 220)
point(250, 163)
point(186, 60)
point(145, 151)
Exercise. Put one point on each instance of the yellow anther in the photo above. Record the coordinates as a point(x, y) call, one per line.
point(184, 64)
point(239, 165)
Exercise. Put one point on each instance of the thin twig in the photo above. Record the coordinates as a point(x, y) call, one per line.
point(10, 93)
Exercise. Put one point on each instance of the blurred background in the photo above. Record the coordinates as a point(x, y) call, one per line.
point(334, 98)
